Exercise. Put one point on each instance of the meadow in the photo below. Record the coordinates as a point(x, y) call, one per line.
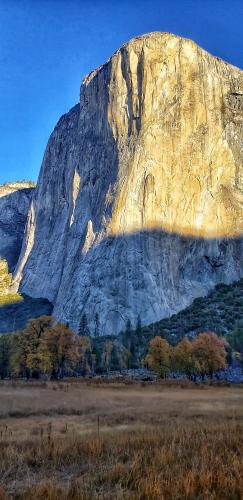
point(98, 439)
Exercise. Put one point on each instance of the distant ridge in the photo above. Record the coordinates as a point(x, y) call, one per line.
point(11, 187)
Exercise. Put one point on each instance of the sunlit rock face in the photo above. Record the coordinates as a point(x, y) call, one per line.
point(138, 208)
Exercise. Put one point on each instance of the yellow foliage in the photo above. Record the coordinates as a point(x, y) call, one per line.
point(159, 356)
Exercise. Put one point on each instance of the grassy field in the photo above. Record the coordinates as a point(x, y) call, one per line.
point(87, 440)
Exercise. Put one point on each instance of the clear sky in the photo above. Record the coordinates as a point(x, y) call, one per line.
point(47, 46)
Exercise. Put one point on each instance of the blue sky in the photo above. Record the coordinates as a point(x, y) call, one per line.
point(47, 46)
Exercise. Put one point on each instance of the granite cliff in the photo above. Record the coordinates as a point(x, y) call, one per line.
point(15, 309)
point(138, 207)
point(14, 206)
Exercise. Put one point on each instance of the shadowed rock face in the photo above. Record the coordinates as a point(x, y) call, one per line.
point(14, 206)
point(138, 208)
point(15, 315)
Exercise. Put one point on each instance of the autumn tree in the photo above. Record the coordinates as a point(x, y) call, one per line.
point(62, 346)
point(28, 352)
point(210, 352)
point(43, 348)
point(184, 359)
point(124, 356)
point(159, 356)
point(106, 354)
point(38, 357)
point(120, 356)
point(86, 360)
point(129, 340)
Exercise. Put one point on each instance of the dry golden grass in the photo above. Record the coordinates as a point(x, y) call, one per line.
point(155, 441)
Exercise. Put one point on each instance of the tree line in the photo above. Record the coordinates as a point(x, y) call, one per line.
point(202, 356)
point(46, 349)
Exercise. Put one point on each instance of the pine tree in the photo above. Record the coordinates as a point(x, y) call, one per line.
point(139, 326)
point(133, 349)
point(83, 330)
point(97, 325)
point(128, 327)
point(126, 335)
point(6, 342)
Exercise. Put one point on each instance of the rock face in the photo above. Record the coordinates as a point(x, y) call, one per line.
point(15, 314)
point(138, 208)
point(15, 310)
point(14, 206)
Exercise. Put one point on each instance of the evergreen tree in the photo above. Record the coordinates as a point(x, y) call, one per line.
point(83, 327)
point(126, 335)
point(139, 327)
point(133, 350)
point(97, 325)
point(6, 342)
point(128, 327)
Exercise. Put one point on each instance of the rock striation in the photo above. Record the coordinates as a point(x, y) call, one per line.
point(138, 207)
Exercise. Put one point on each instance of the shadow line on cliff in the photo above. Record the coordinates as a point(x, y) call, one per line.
point(153, 274)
